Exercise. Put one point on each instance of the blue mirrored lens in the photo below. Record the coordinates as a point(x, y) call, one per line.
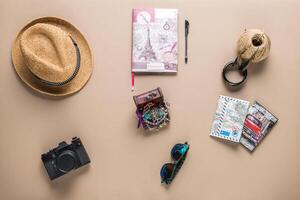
point(166, 171)
point(178, 150)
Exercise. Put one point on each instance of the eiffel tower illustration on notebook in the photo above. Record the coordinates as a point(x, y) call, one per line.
point(148, 54)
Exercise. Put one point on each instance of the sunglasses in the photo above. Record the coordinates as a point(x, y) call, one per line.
point(169, 170)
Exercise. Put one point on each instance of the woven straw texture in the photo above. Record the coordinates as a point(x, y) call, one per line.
point(253, 45)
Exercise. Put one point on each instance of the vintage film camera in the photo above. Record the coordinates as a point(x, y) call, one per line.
point(152, 111)
point(65, 158)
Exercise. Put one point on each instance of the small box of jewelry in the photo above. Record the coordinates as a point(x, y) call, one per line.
point(152, 111)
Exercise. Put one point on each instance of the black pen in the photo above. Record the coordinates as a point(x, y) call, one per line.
point(186, 26)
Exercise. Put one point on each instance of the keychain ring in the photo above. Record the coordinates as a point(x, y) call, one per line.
point(233, 66)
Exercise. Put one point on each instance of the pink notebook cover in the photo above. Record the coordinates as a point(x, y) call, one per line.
point(154, 40)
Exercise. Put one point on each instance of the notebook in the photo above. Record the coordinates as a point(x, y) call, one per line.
point(154, 40)
point(229, 118)
point(258, 124)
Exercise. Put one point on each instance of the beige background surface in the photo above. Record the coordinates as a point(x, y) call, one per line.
point(126, 161)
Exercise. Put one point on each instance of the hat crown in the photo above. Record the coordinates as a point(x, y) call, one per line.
point(49, 52)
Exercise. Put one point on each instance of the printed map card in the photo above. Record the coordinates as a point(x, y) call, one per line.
point(154, 40)
point(258, 123)
point(229, 118)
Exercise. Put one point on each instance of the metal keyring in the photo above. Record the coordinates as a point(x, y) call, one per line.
point(232, 66)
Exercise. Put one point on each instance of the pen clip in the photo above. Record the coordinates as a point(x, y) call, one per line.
point(187, 26)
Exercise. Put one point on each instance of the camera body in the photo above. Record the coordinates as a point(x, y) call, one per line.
point(65, 157)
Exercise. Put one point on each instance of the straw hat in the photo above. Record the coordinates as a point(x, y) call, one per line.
point(52, 57)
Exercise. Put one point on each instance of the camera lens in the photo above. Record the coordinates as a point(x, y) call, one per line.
point(66, 161)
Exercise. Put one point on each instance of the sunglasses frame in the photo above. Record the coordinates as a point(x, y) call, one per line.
point(177, 164)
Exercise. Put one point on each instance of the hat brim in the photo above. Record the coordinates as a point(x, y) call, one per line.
point(73, 86)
